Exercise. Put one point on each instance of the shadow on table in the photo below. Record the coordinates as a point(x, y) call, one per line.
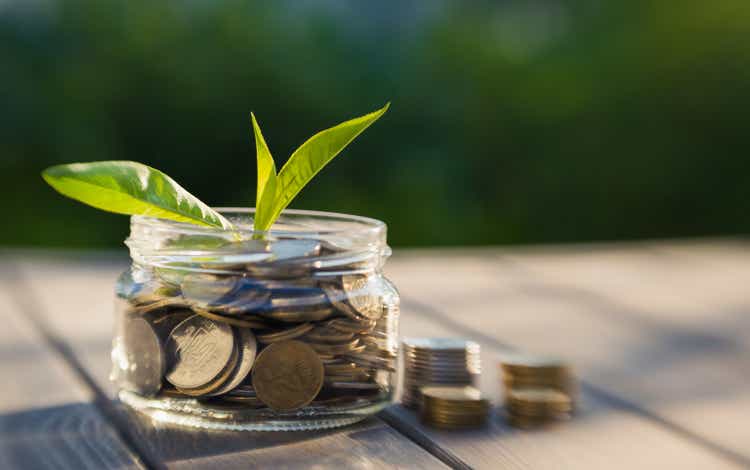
point(71, 436)
point(169, 443)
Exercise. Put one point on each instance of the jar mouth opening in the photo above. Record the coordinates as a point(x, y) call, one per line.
point(293, 223)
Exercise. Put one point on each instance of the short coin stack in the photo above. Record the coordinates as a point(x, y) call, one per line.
point(437, 361)
point(453, 407)
point(537, 390)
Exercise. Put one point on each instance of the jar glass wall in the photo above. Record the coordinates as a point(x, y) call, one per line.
point(288, 330)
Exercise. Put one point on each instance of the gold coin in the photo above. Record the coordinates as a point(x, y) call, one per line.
point(171, 302)
point(523, 364)
point(538, 402)
point(332, 349)
point(230, 321)
point(285, 334)
point(287, 375)
point(453, 394)
point(298, 315)
point(328, 335)
point(347, 325)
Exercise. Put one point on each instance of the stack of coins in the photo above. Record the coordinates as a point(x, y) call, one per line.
point(260, 333)
point(437, 361)
point(453, 407)
point(537, 389)
point(530, 407)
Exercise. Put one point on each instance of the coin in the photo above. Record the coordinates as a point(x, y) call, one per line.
point(219, 380)
point(170, 302)
point(253, 402)
point(453, 407)
point(285, 334)
point(247, 349)
point(313, 300)
point(198, 351)
point(286, 249)
point(354, 385)
point(361, 294)
point(328, 335)
point(285, 261)
point(538, 402)
point(333, 349)
point(141, 363)
point(207, 289)
point(254, 323)
point(296, 315)
point(355, 297)
point(437, 361)
point(441, 344)
point(346, 325)
point(287, 375)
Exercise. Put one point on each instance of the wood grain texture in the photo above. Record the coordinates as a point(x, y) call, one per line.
point(689, 306)
point(47, 419)
point(676, 372)
point(603, 434)
point(75, 297)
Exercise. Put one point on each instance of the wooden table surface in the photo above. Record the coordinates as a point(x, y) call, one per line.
point(658, 332)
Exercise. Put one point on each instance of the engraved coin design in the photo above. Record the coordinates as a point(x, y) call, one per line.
point(361, 295)
point(198, 350)
point(248, 348)
point(287, 375)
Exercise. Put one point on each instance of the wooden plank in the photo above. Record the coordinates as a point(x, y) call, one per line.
point(76, 298)
point(47, 416)
point(690, 305)
point(604, 433)
point(501, 299)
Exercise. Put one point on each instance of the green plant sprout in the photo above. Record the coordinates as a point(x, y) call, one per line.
point(126, 187)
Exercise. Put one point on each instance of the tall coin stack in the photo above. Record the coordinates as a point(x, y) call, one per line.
point(438, 361)
point(537, 390)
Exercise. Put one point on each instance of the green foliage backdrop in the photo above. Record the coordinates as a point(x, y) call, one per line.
point(512, 122)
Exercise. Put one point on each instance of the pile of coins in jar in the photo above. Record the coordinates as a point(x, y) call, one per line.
point(441, 378)
point(266, 334)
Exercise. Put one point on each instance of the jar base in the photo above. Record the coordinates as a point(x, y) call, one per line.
point(196, 414)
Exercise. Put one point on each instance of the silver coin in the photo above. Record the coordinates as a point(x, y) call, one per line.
point(142, 357)
point(362, 295)
point(346, 325)
point(316, 299)
point(285, 249)
point(235, 256)
point(440, 344)
point(207, 289)
point(198, 350)
point(299, 315)
point(354, 385)
point(337, 297)
point(248, 349)
point(229, 295)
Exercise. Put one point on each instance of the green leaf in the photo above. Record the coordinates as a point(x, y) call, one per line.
point(312, 156)
point(266, 191)
point(131, 188)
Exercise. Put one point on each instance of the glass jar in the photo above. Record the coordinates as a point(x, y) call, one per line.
point(291, 329)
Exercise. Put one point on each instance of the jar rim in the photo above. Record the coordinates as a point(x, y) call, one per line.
point(349, 224)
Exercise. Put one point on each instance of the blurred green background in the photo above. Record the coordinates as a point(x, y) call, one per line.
point(512, 121)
